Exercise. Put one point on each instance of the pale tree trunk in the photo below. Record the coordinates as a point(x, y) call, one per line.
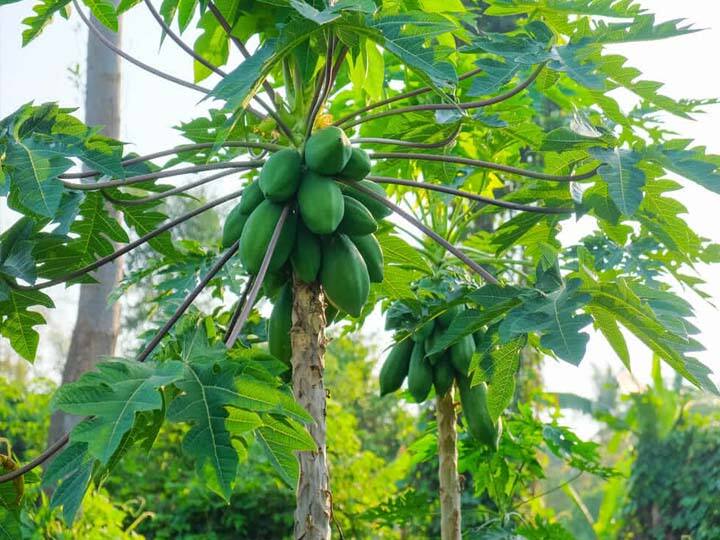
point(313, 506)
point(98, 324)
point(450, 510)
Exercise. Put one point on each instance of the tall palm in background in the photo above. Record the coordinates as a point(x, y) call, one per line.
point(98, 321)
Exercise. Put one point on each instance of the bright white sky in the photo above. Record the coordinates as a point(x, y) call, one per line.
point(150, 107)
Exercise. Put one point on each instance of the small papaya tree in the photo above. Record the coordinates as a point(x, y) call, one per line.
point(332, 102)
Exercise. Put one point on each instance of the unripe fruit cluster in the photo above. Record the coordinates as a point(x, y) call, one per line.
point(328, 235)
point(408, 360)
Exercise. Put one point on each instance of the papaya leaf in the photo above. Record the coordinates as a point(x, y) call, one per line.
point(624, 178)
point(562, 139)
point(576, 60)
point(33, 173)
point(641, 28)
point(607, 324)
point(43, 14)
point(637, 317)
point(207, 389)
point(503, 363)
point(19, 262)
point(9, 524)
point(18, 322)
point(579, 454)
point(104, 11)
point(144, 219)
point(241, 84)
point(518, 49)
point(693, 163)
point(186, 10)
point(553, 314)
point(212, 45)
point(495, 75)
point(260, 397)
point(113, 396)
point(281, 438)
point(71, 469)
point(492, 301)
point(309, 12)
point(405, 35)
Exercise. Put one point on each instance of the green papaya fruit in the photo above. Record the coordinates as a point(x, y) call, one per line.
point(461, 354)
point(376, 208)
point(306, 255)
point(321, 203)
point(358, 166)
point(356, 219)
point(280, 324)
point(420, 374)
point(422, 332)
point(331, 312)
point(443, 375)
point(327, 151)
point(446, 318)
point(257, 233)
point(343, 275)
point(251, 198)
point(274, 282)
point(475, 410)
point(430, 342)
point(395, 368)
point(372, 254)
point(233, 227)
point(280, 176)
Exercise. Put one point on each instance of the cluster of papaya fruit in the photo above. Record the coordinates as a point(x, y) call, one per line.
point(408, 359)
point(329, 232)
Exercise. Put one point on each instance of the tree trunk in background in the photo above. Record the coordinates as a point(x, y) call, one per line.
point(313, 509)
point(98, 324)
point(450, 509)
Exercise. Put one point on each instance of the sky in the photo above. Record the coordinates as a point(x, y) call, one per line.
point(46, 70)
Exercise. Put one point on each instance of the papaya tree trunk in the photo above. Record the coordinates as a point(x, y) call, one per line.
point(313, 506)
point(450, 510)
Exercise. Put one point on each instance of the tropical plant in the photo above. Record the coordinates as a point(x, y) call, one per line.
point(322, 84)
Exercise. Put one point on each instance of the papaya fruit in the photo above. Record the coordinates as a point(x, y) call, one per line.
point(343, 275)
point(446, 318)
point(430, 342)
point(251, 198)
point(280, 176)
point(331, 312)
point(321, 203)
point(422, 332)
point(420, 374)
point(443, 375)
point(372, 254)
point(233, 227)
point(327, 151)
point(376, 208)
point(358, 166)
point(461, 354)
point(273, 283)
point(257, 233)
point(280, 324)
point(306, 255)
point(395, 368)
point(356, 219)
point(475, 411)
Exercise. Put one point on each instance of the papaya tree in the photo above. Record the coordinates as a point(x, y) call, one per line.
point(330, 103)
